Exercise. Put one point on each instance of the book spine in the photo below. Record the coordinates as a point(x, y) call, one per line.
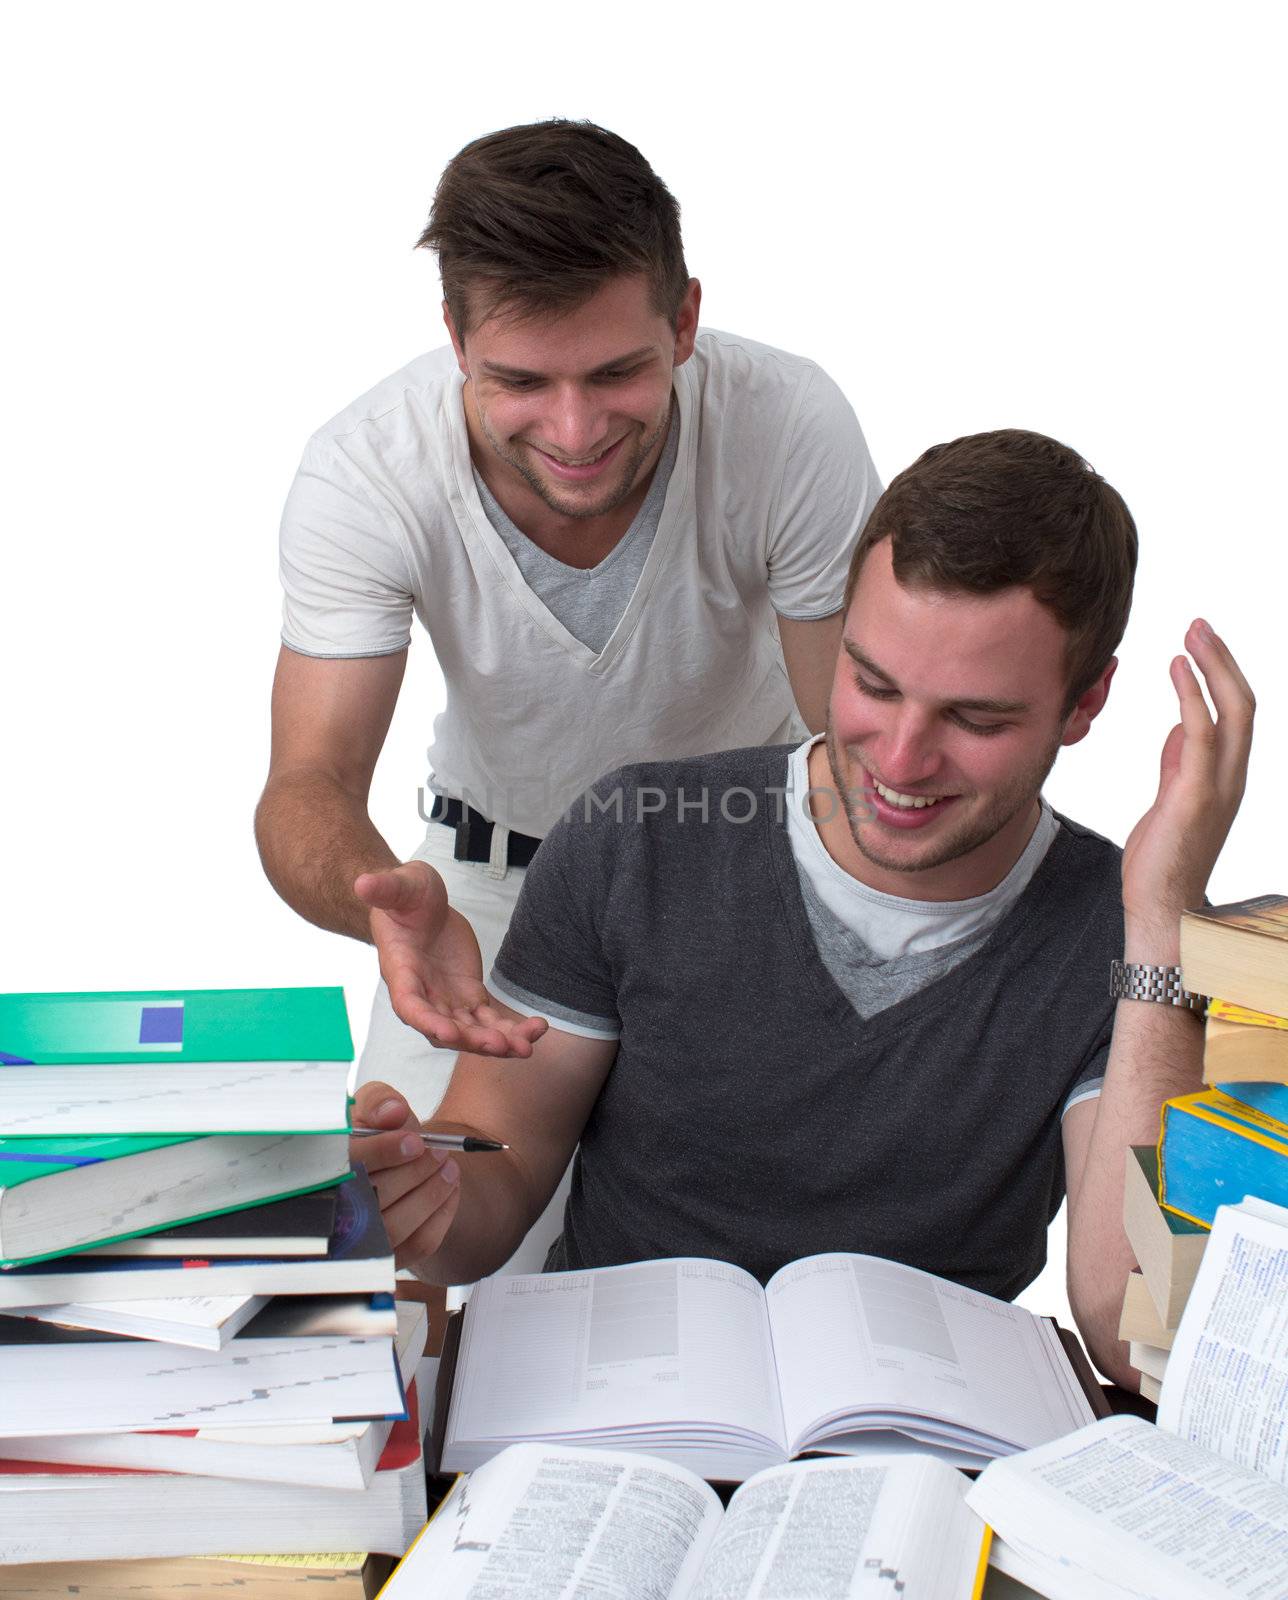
point(981, 1567)
point(1227, 1011)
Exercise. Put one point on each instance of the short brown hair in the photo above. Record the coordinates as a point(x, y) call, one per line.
point(540, 217)
point(994, 510)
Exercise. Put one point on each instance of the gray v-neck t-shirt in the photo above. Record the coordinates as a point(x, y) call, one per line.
point(589, 601)
point(752, 1114)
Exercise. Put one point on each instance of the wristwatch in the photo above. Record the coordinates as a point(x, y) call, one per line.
point(1137, 980)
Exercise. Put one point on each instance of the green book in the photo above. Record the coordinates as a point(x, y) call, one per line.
point(71, 1194)
point(176, 1025)
point(167, 1061)
point(22, 1160)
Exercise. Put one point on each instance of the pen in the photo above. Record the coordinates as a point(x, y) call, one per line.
point(439, 1141)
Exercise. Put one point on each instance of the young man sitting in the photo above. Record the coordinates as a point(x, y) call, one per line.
point(856, 995)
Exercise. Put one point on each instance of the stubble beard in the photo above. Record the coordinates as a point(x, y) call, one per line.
point(955, 841)
point(634, 459)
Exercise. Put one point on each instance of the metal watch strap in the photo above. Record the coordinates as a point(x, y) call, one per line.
point(1138, 980)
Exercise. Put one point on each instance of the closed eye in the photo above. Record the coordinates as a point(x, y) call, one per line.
point(612, 375)
point(876, 691)
point(982, 728)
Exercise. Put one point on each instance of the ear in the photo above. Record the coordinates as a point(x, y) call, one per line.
point(458, 344)
point(686, 323)
point(1089, 706)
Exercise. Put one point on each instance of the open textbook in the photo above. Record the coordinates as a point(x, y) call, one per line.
point(1192, 1508)
point(1227, 1374)
point(594, 1525)
point(692, 1360)
point(1122, 1509)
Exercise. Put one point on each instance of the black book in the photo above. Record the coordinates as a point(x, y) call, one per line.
point(300, 1225)
point(359, 1259)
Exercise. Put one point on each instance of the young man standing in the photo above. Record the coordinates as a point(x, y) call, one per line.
point(617, 530)
point(879, 1017)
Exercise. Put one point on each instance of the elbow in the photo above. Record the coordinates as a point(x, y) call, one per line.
point(266, 826)
point(1112, 1357)
point(1096, 1316)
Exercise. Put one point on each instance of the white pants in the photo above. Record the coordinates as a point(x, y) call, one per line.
point(484, 893)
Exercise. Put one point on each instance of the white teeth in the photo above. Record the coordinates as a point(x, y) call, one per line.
point(909, 802)
point(589, 461)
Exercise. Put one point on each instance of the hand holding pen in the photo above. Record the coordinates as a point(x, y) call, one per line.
point(416, 1175)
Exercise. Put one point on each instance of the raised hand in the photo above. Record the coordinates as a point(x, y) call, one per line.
point(429, 958)
point(1171, 851)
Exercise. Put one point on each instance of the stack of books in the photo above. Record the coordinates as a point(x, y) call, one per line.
point(1226, 1141)
point(200, 1349)
point(1192, 1508)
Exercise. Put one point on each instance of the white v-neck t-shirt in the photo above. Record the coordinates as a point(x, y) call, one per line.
point(589, 601)
point(771, 486)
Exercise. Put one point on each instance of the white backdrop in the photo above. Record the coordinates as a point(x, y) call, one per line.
point(1062, 217)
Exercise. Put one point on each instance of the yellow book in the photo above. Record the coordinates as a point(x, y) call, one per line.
point(1239, 951)
point(1243, 1046)
point(1227, 1011)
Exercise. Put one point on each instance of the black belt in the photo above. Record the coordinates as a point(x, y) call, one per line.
point(474, 834)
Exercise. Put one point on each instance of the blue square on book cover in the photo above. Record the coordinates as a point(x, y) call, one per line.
point(161, 1025)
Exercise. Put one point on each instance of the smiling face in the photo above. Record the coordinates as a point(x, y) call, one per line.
point(568, 414)
point(946, 714)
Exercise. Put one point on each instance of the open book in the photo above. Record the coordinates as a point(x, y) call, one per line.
point(1123, 1509)
point(1192, 1508)
point(692, 1360)
point(588, 1523)
point(1227, 1374)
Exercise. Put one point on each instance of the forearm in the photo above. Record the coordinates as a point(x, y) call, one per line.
point(1156, 1053)
point(315, 838)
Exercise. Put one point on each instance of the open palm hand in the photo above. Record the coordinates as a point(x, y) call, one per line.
point(1171, 851)
point(430, 961)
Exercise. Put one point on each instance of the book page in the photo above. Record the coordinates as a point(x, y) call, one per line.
point(63, 1389)
point(1125, 1503)
point(203, 1312)
point(1016, 1575)
point(828, 1530)
point(858, 1335)
point(538, 1523)
point(1226, 1385)
point(621, 1347)
point(190, 1097)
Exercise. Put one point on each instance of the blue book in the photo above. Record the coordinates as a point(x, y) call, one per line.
point(1268, 1098)
point(1214, 1151)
